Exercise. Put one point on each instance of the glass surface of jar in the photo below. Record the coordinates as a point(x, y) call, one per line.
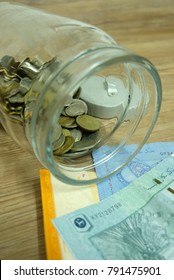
point(72, 95)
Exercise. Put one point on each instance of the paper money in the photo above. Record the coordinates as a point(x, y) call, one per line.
point(59, 199)
point(148, 157)
point(135, 223)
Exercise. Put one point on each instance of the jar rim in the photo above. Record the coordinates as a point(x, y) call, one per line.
point(81, 68)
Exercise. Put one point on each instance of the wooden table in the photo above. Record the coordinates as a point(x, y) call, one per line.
point(146, 27)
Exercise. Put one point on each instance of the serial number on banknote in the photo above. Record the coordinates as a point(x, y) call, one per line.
point(133, 270)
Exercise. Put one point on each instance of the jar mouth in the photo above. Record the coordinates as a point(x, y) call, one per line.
point(126, 121)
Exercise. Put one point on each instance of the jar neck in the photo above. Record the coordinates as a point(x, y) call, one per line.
point(59, 81)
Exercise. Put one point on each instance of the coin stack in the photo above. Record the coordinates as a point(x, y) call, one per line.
point(15, 82)
point(75, 133)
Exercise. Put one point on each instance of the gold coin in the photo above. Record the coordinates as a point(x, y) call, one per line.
point(66, 121)
point(88, 141)
point(66, 132)
point(88, 123)
point(59, 142)
point(69, 142)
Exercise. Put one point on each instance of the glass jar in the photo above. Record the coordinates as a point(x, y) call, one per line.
point(72, 95)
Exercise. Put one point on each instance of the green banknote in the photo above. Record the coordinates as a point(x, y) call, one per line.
point(134, 223)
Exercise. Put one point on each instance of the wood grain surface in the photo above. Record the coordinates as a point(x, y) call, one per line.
point(146, 27)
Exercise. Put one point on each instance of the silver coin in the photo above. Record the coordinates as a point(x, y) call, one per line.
point(36, 61)
point(73, 125)
point(16, 98)
point(59, 142)
point(76, 108)
point(87, 142)
point(7, 61)
point(28, 69)
point(57, 132)
point(76, 134)
point(25, 85)
point(76, 154)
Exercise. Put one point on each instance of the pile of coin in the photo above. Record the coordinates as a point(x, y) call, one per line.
point(75, 133)
point(15, 82)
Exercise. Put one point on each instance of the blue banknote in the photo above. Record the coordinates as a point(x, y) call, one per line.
point(134, 223)
point(148, 157)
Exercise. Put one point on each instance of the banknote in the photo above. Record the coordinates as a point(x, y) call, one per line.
point(148, 157)
point(134, 223)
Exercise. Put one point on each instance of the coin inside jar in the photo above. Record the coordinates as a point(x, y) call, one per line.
point(69, 142)
point(76, 134)
point(65, 121)
point(74, 155)
point(88, 123)
point(87, 142)
point(66, 132)
point(59, 142)
point(76, 108)
point(57, 132)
